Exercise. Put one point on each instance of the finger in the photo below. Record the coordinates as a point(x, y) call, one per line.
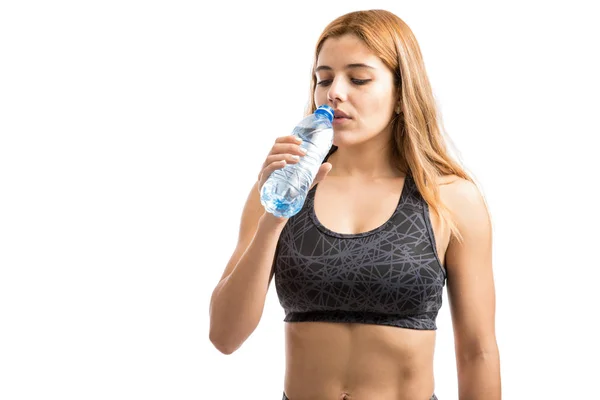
point(289, 158)
point(270, 168)
point(322, 173)
point(288, 139)
point(290, 148)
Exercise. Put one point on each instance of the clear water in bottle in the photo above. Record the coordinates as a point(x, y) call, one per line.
point(284, 192)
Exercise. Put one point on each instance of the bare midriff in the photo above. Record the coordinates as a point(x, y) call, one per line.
point(326, 361)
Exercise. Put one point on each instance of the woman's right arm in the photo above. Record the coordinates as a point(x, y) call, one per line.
point(238, 300)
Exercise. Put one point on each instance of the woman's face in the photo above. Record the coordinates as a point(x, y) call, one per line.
point(359, 87)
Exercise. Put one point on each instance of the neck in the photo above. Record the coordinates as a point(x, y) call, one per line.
point(368, 161)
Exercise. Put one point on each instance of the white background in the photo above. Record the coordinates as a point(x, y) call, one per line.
point(131, 133)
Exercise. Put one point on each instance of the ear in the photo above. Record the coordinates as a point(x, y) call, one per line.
point(398, 108)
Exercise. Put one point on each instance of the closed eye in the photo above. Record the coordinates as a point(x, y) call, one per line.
point(327, 82)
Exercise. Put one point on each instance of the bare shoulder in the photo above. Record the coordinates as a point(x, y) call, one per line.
point(465, 201)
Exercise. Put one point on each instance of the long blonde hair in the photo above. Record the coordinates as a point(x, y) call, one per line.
point(418, 144)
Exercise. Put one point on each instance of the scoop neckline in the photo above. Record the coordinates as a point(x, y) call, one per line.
point(324, 229)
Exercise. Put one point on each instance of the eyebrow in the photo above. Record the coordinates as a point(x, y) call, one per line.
point(349, 66)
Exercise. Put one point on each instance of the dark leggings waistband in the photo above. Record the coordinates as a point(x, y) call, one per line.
point(433, 397)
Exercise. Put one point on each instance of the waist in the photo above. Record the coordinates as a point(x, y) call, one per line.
point(326, 360)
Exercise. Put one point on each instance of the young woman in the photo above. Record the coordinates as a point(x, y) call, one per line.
point(390, 218)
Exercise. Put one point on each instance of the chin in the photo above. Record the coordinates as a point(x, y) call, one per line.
point(344, 138)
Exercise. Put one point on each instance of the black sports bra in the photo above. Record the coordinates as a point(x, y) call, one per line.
point(390, 275)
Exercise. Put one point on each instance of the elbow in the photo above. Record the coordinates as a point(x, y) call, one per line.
point(222, 345)
point(224, 349)
point(228, 335)
point(223, 342)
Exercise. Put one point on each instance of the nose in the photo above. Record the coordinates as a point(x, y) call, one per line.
point(337, 91)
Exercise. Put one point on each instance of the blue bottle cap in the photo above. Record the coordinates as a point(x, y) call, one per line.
point(325, 110)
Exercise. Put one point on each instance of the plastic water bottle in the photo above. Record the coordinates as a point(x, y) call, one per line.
point(284, 192)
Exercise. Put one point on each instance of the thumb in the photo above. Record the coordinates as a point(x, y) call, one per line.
point(322, 173)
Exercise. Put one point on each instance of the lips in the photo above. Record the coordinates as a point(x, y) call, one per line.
point(340, 114)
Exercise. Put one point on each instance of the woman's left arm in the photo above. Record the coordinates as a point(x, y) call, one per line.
point(471, 294)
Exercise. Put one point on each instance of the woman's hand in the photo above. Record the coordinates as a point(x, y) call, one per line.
point(287, 150)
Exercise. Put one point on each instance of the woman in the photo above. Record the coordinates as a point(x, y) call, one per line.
point(361, 268)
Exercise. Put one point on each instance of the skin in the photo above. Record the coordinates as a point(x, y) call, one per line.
point(327, 361)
